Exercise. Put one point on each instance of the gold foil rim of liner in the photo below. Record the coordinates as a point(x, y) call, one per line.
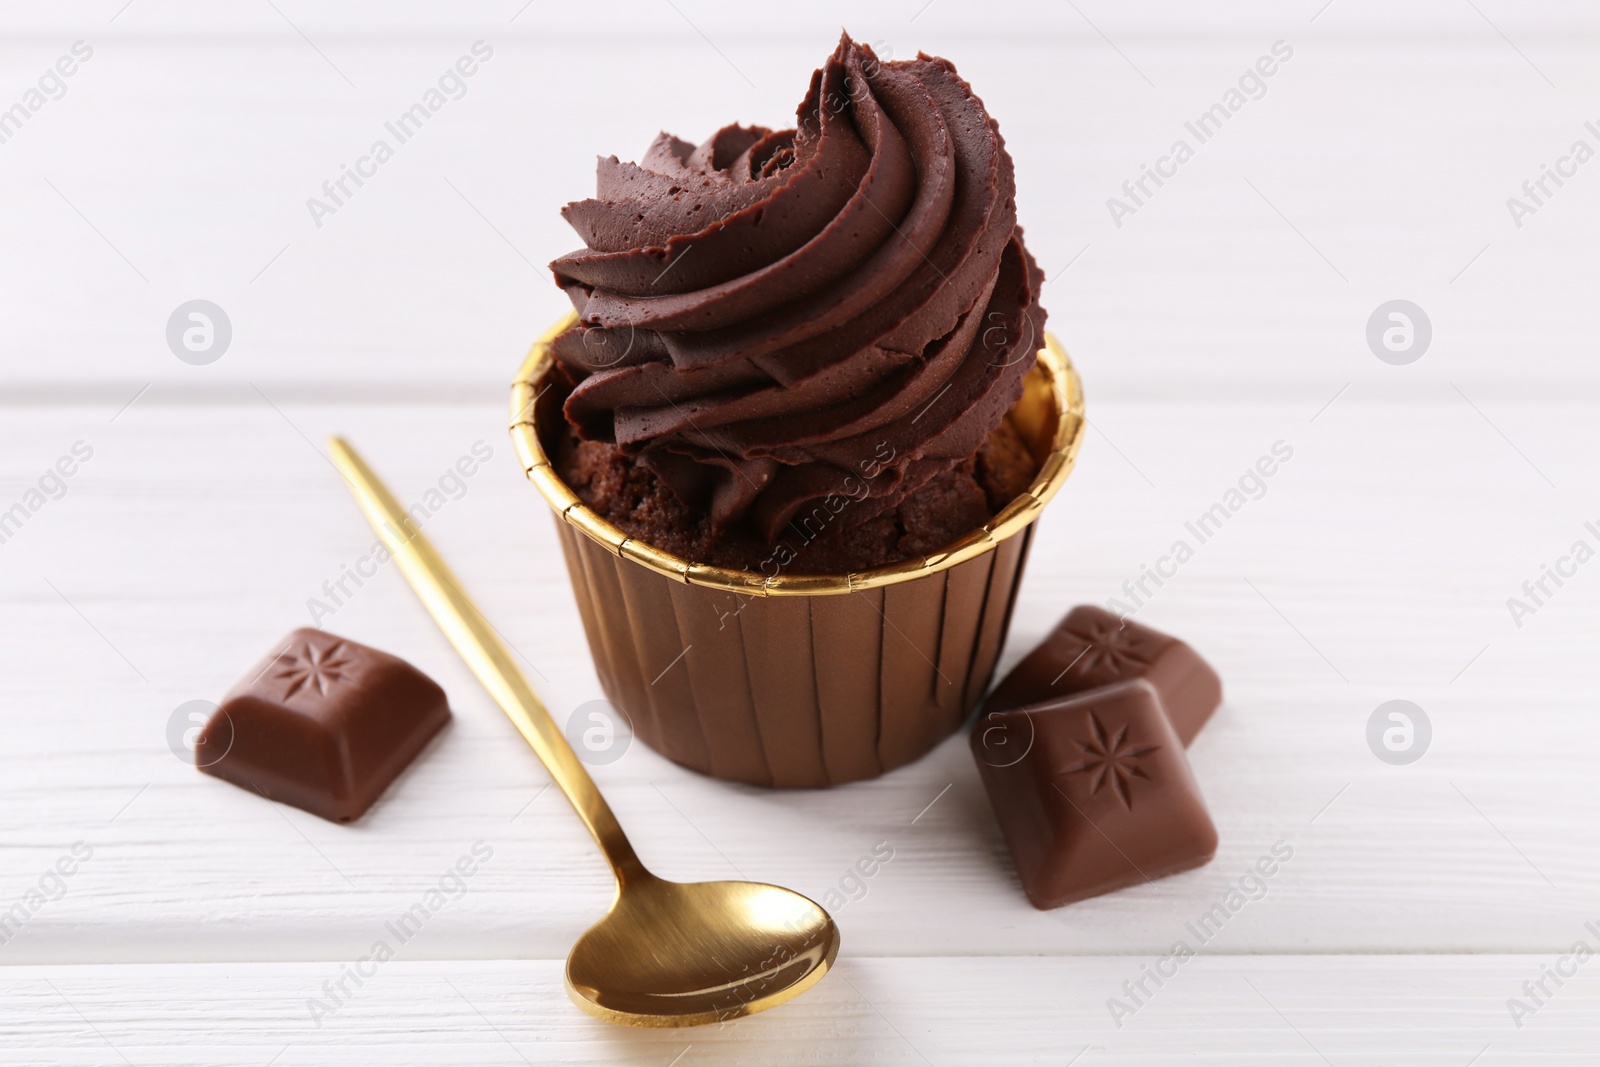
point(1054, 380)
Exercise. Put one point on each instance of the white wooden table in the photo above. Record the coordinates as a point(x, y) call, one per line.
point(1227, 313)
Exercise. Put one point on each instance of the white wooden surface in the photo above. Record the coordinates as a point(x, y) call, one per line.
point(1226, 315)
point(1263, 1011)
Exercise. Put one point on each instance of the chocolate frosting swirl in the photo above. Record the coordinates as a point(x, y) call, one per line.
point(776, 317)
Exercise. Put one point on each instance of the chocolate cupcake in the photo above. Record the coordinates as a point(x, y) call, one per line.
point(795, 428)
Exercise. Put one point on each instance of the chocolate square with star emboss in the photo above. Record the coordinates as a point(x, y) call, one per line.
point(1093, 793)
point(323, 723)
point(1093, 647)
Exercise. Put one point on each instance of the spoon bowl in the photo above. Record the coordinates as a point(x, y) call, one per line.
point(686, 954)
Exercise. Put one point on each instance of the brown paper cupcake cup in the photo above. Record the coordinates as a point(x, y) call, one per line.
point(798, 680)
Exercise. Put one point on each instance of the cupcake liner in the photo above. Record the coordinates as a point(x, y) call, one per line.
point(799, 680)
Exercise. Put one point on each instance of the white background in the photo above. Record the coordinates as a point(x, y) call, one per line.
point(1228, 313)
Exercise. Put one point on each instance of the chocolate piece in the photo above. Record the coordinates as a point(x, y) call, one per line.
point(1093, 793)
point(1092, 647)
point(324, 724)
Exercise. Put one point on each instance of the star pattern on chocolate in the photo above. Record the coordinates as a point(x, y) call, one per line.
point(1111, 650)
point(1111, 760)
point(311, 667)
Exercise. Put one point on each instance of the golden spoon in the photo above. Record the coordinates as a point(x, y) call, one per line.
point(667, 953)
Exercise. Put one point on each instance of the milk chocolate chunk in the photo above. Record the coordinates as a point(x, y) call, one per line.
point(323, 723)
point(1092, 647)
point(1093, 793)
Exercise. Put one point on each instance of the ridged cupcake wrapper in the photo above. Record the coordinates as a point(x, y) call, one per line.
point(794, 691)
point(800, 680)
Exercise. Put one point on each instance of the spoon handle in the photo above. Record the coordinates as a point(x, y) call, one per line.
point(479, 643)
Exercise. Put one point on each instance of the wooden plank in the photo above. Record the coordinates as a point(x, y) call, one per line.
point(194, 538)
point(1222, 1010)
point(1147, 24)
point(1153, 308)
